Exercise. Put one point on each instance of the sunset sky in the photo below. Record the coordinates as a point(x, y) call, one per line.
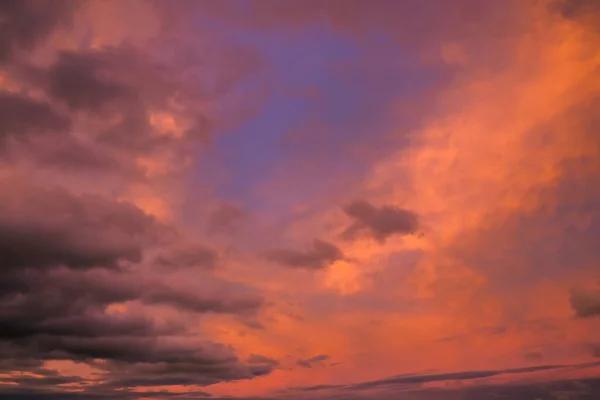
point(300, 199)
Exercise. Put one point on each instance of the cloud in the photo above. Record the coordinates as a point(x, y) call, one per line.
point(49, 227)
point(309, 362)
point(95, 130)
point(319, 358)
point(67, 258)
point(260, 359)
point(187, 256)
point(533, 356)
point(585, 302)
point(379, 222)
point(23, 117)
point(26, 23)
point(116, 104)
point(80, 79)
point(319, 257)
point(418, 379)
point(303, 363)
point(586, 388)
point(223, 218)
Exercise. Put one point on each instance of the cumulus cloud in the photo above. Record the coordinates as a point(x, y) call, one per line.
point(379, 222)
point(77, 282)
point(62, 271)
point(42, 228)
point(318, 257)
point(107, 111)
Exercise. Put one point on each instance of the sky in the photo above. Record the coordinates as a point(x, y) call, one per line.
point(299, 199)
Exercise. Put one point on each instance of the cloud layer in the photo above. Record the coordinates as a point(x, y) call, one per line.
point(167, 168)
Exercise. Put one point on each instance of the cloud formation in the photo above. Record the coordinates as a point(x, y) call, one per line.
point(318, 257)
point(223, 218)
point(379, 222)
point(151, 149)
point(25, 23)
point(78, 283)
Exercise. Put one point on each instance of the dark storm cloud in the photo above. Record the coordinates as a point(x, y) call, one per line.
point(43, 381)
point(22, 117)
point(585, 303)
point(41, 228)
point(223, 218)
point(54, 322)
point(61, 260)
point(379, 222)
point(74, 282)
point(318, 257)
point(24, 23)
point(63, 302)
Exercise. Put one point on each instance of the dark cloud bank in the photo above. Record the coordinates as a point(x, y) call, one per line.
point(67, 258)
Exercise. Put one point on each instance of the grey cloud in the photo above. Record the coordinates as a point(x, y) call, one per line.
point(379, 222)
point(319, 358)
point(319, 257)
point(79, 79)
point(417, 379)
point(24, 23)
point(201, 302)
point(260, 359)
point(44, 381)
point(22, 117)
point(187, 256)
point(71, 154)
point(61, 270)
point(581, 389)
point(42, 227)
point(585, 303)
point(308, 363)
